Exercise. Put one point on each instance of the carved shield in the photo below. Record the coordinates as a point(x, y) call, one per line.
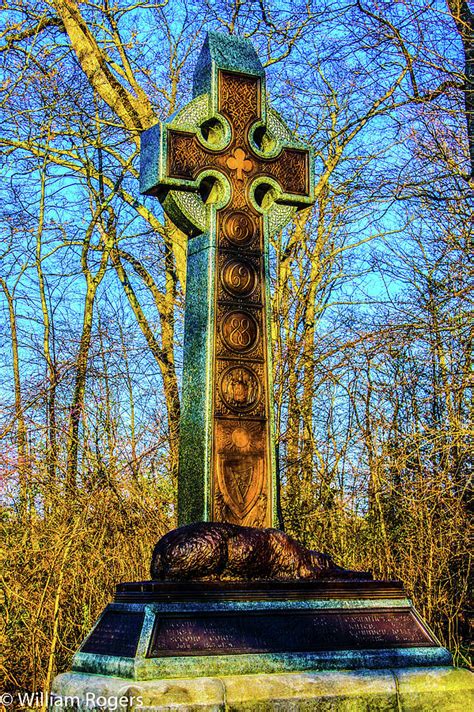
point(240, 480)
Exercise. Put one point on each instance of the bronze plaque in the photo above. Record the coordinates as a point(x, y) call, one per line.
point(289, 631)
point(117, 633)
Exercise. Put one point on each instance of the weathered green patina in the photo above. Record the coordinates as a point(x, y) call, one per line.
point(228, 172)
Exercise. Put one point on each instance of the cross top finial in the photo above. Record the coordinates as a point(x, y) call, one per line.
point(226, 135)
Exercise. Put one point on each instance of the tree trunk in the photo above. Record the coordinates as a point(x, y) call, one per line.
point(24, 468)
point(464, 20)
point(51, 369)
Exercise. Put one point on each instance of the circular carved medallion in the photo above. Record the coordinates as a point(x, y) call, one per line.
point(239, 331)
point(240, 389)
point(239, 228)
point(240, 438)
point(239, 277)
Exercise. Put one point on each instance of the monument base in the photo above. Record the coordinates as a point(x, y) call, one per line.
point(325, 645)
point(156, 630)
point(430, 689)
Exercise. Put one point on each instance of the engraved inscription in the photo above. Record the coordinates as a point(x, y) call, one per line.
point(286, 631)
point(117, 633)
point(239, 277)
point(239, 228)
point(239, 331)
point(240, 389)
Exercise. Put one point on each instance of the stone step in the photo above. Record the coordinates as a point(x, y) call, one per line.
point(433, 689)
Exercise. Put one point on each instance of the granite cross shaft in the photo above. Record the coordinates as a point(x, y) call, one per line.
point(228, 172)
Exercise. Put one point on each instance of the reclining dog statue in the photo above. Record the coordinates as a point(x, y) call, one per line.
point(215, 551)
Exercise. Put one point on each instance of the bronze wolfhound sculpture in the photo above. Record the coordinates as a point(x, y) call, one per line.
point(217, 551)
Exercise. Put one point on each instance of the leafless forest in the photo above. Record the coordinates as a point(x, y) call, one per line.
point(371, 297)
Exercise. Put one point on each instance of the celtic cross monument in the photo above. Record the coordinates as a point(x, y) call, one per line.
point(231, 614)
point(228, 172)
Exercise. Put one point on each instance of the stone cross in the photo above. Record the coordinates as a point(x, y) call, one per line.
point(228, 172)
